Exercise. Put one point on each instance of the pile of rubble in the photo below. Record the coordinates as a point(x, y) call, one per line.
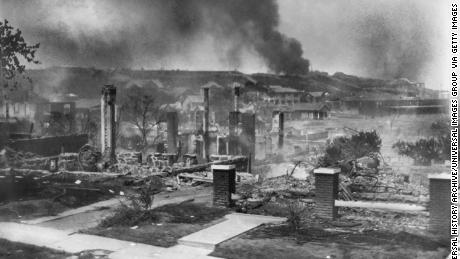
point(277, 190)
point(130, 158)
point(10, 158)
point(17, 159)
point(139, 169)
point(155, 164)
point(385, 185)
point(68, 162)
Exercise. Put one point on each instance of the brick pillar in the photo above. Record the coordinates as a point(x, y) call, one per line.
point(224, 184)
point(326, 192)
point(172, 128)
point(439, 204)
point(108, 126)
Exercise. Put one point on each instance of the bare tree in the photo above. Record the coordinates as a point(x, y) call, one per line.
point(141, 108)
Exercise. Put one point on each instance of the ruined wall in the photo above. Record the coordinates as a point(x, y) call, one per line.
point(50, 146)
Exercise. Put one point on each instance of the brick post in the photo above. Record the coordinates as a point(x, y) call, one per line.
point(224, 184)
point(326, 192)
point(439, 204)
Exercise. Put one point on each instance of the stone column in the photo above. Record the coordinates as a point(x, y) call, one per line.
point(173, 131)
point(439, 204)
point(222, 145)
point(268, 145)
point(224, 184)
point(233, 144)
point(280, 130)
point(206, 124)
point(326, 192)
point(108, 123)
point(248, 121)
point(236, 88)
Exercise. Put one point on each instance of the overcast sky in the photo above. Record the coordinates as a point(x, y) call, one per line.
point(374, 38)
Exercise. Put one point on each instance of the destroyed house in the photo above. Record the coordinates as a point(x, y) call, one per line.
point(56, 112)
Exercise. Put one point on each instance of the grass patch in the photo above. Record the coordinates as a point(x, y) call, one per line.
point(15, 211)
point(14, 250)
point(161, 226)
point(367, 238)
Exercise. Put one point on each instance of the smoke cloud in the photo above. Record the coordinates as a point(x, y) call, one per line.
point(380, 38)
point(152, 33)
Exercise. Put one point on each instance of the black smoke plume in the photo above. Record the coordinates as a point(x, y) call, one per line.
point(145, 32)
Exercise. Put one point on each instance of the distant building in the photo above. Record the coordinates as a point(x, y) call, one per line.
point(61, 114)
point(306, 111)
point(22, 104)
point(318, 97)
point(443, 94)
point(282, 95)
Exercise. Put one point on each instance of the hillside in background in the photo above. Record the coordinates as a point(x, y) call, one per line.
point(87, 82)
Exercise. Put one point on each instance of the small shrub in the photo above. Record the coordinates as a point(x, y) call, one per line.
point(351, 148)
point(424, 150)
point(124, 216)
point(436, 147)
point(295, 211)
point(143, 198)
point(171, 213)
